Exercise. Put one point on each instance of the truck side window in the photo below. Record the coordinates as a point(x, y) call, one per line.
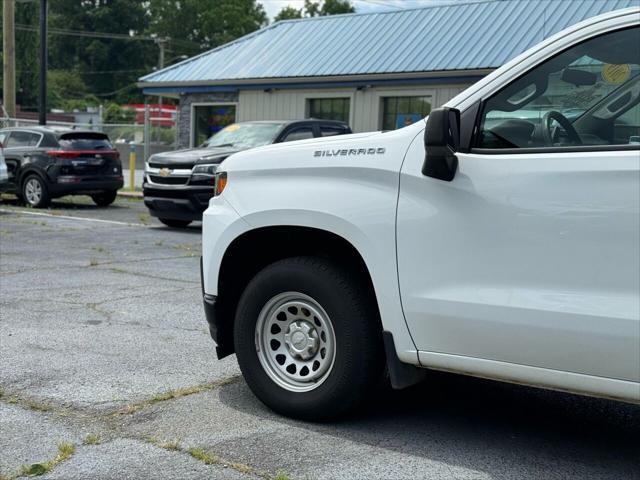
point(300, 133)
point(587, 95)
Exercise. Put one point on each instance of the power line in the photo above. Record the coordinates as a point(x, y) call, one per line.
point(381, 4)
point(106, 35)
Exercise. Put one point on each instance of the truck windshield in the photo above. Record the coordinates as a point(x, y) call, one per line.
point(244, 135)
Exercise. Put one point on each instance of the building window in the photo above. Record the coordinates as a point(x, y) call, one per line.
point(329, 108)
point(210, 119)
point(398, 112)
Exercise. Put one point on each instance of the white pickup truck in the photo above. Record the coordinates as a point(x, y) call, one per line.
point(500, 238)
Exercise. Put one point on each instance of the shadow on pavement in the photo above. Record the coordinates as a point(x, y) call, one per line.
point(504, 430)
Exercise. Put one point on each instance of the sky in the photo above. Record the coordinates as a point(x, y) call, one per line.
point(274, 6)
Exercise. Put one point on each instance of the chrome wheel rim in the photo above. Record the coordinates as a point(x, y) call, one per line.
point(295, 341)
point(33, 191)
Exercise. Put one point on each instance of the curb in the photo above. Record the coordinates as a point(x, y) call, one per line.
point(129, 194)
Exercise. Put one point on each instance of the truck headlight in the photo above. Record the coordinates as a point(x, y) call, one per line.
point(205, 169)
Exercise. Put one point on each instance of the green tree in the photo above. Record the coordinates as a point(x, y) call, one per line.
point(114, 113)
point(66, 90)
point(316, 9)
point(336, 7)
point(288, 13)
point(108, 66)
point(203, 23)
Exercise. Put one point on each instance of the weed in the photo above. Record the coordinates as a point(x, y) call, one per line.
point(65, 450)
point(173, 445)
point(93, 262)
point(177, 393)
point(144, 218)
point(212, 459)
point(92, 439)
point(281, 475)
point(204, 457)
point(36, 406)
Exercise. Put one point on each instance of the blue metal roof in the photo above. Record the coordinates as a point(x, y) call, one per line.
point(463, 36)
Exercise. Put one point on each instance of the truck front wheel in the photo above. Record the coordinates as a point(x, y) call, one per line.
point(308, 338)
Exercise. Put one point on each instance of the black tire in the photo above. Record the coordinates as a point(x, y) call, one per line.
point(353, 314)
point(34, 183)
point(175, 223)
point(105, 198)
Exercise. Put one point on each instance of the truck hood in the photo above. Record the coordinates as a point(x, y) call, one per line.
point(359, 149)
point(190, 157)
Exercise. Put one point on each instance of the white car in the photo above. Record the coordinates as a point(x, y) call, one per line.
point(481, 241)
point(4, 173)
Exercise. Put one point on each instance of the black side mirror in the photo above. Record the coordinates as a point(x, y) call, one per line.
point(441, 141)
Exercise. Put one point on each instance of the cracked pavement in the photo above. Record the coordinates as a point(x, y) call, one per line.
point(99, 320)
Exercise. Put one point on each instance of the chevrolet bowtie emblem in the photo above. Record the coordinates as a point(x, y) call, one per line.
point(164, 172)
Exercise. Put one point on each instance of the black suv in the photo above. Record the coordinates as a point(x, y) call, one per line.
point(50, 162)
point(178, 185)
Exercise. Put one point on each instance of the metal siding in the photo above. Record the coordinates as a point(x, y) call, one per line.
point(365, 104)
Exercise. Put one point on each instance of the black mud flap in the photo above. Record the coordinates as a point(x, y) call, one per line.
point(402, 375)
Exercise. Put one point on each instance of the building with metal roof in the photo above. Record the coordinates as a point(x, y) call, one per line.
point(375, 70)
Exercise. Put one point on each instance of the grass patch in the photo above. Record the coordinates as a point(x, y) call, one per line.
point(159, 243)
point(204, 457)
point(282, 475)
point(173, 445)
point(144, 218)
point(65, 450)
point(92, 439)
point(93, 262)
point(30, 404)
point(177, 393)
point(212, 459)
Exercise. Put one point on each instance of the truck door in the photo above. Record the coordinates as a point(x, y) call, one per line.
point(531, 255)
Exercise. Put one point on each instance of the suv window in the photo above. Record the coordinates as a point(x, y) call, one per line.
point(23, 139)
point(587, 95)
point(299, 133)
point(85, 141)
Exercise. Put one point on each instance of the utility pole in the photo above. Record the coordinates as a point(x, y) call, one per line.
point(42, 99)
point(161, 41)
point(9, 57)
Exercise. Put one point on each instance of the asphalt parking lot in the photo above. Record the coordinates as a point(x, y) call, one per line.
point(108, 371)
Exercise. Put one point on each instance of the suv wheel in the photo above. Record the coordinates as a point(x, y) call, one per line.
point(35, 192)
point(175, 223)
point(308, 339)
point(105, 198)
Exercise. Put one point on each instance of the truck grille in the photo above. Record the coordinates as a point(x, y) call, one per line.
point(172, 166)
point(175, 180)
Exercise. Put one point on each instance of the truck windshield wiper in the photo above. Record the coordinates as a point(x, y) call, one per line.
point(222, 145)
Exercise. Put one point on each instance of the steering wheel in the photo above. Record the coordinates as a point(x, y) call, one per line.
point(548, 132)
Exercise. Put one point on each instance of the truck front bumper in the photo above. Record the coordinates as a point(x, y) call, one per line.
point(176, 202)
